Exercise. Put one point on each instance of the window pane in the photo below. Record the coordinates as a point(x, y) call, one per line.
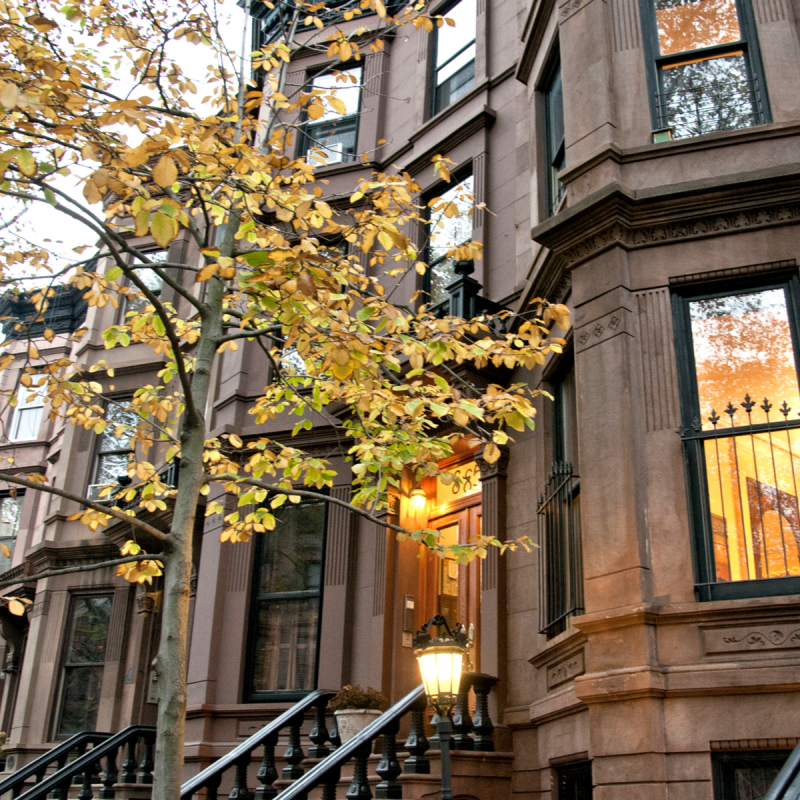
point(26, 423)
point(556, 152)
point(337, 140)
point(347, 88)
point(449, 40)
point(10, 508)
point(81, 699)
point(446, 233)
point(463, 79)
point(286, 645)
point(292, 553)
point(150, 280)
point(748, 776)
point(691, 24)
point(89, 630)
point(117, 414)
point(707, 95)
point(743, 346)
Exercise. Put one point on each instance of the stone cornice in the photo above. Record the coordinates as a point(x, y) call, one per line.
point(49, 555)
point(617, 216)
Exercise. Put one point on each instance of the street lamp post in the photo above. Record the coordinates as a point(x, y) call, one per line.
point(441, 661)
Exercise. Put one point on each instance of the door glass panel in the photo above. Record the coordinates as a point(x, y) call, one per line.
point(447, 592)
point(743, 346)
point(695, 24)
point(469, 482)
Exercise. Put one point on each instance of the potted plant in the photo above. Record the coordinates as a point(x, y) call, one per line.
point(354, 709)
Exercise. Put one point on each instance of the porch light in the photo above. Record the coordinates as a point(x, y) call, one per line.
point(441, 661)
point(418, 499)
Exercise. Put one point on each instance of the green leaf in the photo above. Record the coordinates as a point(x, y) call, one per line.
point(113, 273)
point(365, 313)
point(257, 259)
point(158, 325)
point(164, 229)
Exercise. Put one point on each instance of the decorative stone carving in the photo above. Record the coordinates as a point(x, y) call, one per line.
point(597, 331)
point(499, 469)
point(149, 603)
point(565, 670)
point(752, 638)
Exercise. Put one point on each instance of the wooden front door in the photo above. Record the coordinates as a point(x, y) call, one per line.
point(447, 587)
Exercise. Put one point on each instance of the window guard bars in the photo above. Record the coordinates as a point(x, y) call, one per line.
point(560, 551)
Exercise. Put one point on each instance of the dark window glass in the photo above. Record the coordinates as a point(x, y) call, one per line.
point(454, 48)
point(114, 447)
point(449, 225)
point(746, 775)
point(136, 301)
point(84, 660)
point(556, 156)
point(574, 781)
point(705, 63)
point(10, 508)
point(559, 514)
point(333, 138)
point(287, 600)
point(741, 440)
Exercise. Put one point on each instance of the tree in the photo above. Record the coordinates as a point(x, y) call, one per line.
point(337, 335)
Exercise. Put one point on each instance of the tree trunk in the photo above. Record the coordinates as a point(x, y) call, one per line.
point(172, 657)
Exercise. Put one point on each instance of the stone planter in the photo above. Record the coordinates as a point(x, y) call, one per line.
point(351, 721)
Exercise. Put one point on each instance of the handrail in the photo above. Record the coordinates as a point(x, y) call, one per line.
point(787, 779)
point(61, 750)
point(342, 754)
point(248, 745)
point(86, 762)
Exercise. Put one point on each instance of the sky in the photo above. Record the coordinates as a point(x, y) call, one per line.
point(45, 223)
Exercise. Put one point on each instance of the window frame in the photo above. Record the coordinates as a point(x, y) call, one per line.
point(125, 304)
point(553, 155)
point(63, 664)
point(98, 453)
point(20, 498)
point(306, 141)
point(707, 588)
point(24, 404)
point(433, 108)
point(748, 45)
point(721, 779)
point(439, 190)
point(249, 694)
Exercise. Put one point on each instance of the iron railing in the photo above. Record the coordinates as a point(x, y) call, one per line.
point(88, 767)
point(473, 733)
point(560, 553)
point(744, 470)
point(58, 756)
point(787, 785)
point(696, 107)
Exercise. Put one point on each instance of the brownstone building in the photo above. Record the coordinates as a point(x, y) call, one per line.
point(641, 161)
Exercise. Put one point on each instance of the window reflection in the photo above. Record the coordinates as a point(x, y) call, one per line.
point(694, 24)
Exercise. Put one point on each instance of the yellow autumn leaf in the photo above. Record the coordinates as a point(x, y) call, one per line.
point(5, 551)
point(164, 229)
point(337, 105)
point(345, 51)
point(315, 111)
point(27, 163)
point(165, 172)
point(9, 94)
point(142, 222)
point(206, 273)
point(15, 607)
point(491, 452)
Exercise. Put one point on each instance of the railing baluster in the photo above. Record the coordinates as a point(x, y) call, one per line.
point(331, 783)
point(462, 722)
point(110, 776)
point(417, 744)
point(359, 788)
point(240, 790)
point(212, 784)
point(482, 685)
point(389, 767)
point(294, 752)
point(333, 736)
point(130, 763)
point(56, 793)
point(267, 772)
point(146, 767)
point(319, 733)
point(86, 792)
point(77, 779)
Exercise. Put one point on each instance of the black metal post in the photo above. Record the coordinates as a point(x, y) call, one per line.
point(444, 729)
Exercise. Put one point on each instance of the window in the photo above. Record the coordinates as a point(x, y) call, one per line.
point(705, 67)
point(574, 781)
point(334, 136)
point(454, 55)
point(10, 509)
point(27, 417)
point(741, 435)
point(560, 553)
point(286, 604)
point(554, 137)
point(746, 775)
point(83, 664)
point(114, 446)
point(446, 230)
point(138, 302)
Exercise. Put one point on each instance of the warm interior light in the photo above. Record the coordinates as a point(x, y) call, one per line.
point(418, 499)
point(441, 669)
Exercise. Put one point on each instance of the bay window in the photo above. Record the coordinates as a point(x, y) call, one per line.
point(741, 435)
point(705, 69)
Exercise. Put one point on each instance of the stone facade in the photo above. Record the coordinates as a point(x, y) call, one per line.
point(650, 680)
